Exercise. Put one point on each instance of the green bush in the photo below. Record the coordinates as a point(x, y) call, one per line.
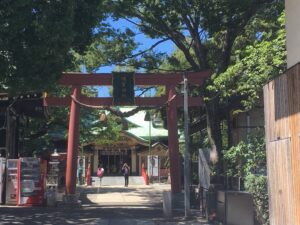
point(257, 186)
point(247, 157)
point(248, 160)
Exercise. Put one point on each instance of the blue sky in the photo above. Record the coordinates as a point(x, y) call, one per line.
point(145, 42)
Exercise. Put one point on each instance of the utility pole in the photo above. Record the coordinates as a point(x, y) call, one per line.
point(186, 150)
point(150, 156)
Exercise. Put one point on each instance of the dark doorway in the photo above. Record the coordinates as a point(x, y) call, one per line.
point(113, 160)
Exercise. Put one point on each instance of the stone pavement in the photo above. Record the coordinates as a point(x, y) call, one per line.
point(107, 205)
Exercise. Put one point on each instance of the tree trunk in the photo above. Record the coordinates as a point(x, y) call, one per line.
point(229, 127)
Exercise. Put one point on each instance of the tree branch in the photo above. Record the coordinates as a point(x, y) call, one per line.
point(197, 45)
point(149, 49)
point(144, 90)
point(177, 37)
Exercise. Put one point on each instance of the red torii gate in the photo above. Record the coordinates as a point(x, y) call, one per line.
point(169, 80)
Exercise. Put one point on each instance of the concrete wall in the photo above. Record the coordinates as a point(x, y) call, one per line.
point(293, 31)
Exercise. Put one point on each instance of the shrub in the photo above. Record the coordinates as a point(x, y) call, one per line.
point(257, 186)
point(248, 160)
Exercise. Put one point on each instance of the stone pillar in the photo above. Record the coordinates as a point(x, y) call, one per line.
point(96, 157)
point(133, 160)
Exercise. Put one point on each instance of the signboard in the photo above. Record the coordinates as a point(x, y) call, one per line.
point(2, 172)
point(30, 189)
point(203, 169)
point(123, 88)
point(11, 181)
point(153, 165)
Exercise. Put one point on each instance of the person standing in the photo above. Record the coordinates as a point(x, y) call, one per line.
point(100, 173)
point(126, 170)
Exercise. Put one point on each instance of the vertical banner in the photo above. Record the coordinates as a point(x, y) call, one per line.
point(153, 165)
point(43, 169)
point(2, 172)
point(123, 88)
point(80, 169)
point(203, 169)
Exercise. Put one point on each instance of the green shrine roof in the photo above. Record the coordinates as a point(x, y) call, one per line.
point(144, 129)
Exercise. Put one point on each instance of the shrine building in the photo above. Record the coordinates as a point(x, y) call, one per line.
point(133, 147)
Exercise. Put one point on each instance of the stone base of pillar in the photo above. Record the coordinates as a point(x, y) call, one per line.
point(167, 204)
point(71, 201)
point(178, 200)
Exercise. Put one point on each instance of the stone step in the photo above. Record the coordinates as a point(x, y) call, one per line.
point(117, 180)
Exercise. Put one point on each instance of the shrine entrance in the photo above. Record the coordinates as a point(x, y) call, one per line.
point(170, 100)
point(113, 160)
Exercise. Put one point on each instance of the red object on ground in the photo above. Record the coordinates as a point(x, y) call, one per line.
point(88, 175)
point(145, 175)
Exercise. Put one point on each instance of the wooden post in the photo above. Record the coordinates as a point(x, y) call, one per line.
point(173, 142)
point(73, 140)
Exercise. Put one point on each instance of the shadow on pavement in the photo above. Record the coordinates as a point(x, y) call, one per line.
point(147, 208)
point(65, 215)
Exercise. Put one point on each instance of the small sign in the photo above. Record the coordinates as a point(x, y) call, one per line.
point(123, 88)
point(153, 165)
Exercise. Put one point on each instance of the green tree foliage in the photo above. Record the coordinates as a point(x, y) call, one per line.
point(248, 160)
point(109, 46)
point(208, 33)
point(92, 130)
point(253, 65)
point(39, 135)
point(247, 157)
point(36, 38)
point(107, 132)
point(257, 185)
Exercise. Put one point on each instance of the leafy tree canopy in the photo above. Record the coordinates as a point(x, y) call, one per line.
point(253, 65)
point(193, 25)
point(36, 38)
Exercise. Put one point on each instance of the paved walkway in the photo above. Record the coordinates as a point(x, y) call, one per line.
point(107, 205)
point(133, 195)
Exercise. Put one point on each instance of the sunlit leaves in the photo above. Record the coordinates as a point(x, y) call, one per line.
point(253, 66)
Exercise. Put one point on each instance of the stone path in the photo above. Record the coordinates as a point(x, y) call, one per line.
point(108, 205)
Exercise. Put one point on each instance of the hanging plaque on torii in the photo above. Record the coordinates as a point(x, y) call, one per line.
point(170, 100)
point(123, 88)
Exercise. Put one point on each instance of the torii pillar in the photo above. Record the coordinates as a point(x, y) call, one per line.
point(173, 141)
point(73, 141)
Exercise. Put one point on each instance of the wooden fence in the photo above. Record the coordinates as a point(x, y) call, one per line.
point(282, 124)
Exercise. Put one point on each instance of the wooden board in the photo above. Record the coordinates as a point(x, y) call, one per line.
point(282, 126)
